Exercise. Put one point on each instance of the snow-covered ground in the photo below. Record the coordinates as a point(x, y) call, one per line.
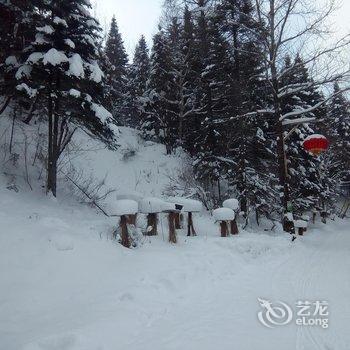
point(65, 285)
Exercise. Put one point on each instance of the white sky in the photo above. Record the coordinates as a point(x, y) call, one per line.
point(136, 17)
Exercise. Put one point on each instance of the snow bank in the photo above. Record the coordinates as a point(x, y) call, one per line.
point(231, 204)
point(130, 195)
point(223, 214)
point(125, 207)
point(189, 205)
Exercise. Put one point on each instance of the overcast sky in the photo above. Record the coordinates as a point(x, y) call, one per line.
point(136, 17)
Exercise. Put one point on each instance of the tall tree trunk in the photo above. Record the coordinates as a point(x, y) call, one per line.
point(283, 174)
point(53, 149)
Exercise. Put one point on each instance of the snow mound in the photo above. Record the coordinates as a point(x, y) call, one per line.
point(231, 203)
point(125, 207)
point(136, 196)
point(189, 205)
point(223, 214)
point(62, 243)
point(152, 205)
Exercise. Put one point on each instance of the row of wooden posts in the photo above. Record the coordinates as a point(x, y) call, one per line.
point(175, 220)
point(128, 210)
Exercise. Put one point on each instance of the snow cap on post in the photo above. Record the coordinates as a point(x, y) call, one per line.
point(172, 207)
point(300, 223)
point(231, 203)
point(151, 205)
point(189, 205)
point(224, 214)
point(125, 207)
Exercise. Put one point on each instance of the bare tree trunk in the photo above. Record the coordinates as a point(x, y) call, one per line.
point(13, 128)
point(51, 162)
point(283, 173)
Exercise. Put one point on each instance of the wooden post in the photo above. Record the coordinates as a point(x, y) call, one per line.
point(172, 230)
point(190, 228)
point(224, 229)
point(234, 227)
point(178, 221)
point(152, 222)
point(289, 226)
point(132, 219)
point(125, 240)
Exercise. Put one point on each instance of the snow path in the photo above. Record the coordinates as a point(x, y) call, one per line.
point(65, 287)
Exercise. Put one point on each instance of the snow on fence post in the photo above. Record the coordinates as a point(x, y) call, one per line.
point(233, 204)
point(289, 222)
point(189, 206)
point(301, 226)
point(172, 209)
point(127, 210)
point(223, 215)
point(152, 207)
point(130, 196)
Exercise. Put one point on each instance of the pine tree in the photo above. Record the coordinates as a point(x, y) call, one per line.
point(211, 139)
point(61, 69)
point(158, 117)
point(338, 130)
point(250, 149)
point(307, 186)
point(187, 82)
point(138, 76)
point(16, 31)
point(116, 74)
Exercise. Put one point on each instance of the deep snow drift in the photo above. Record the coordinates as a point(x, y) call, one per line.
point(65, 285)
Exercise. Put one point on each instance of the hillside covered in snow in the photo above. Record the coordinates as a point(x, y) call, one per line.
point(194, 195)
point(66, 284)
